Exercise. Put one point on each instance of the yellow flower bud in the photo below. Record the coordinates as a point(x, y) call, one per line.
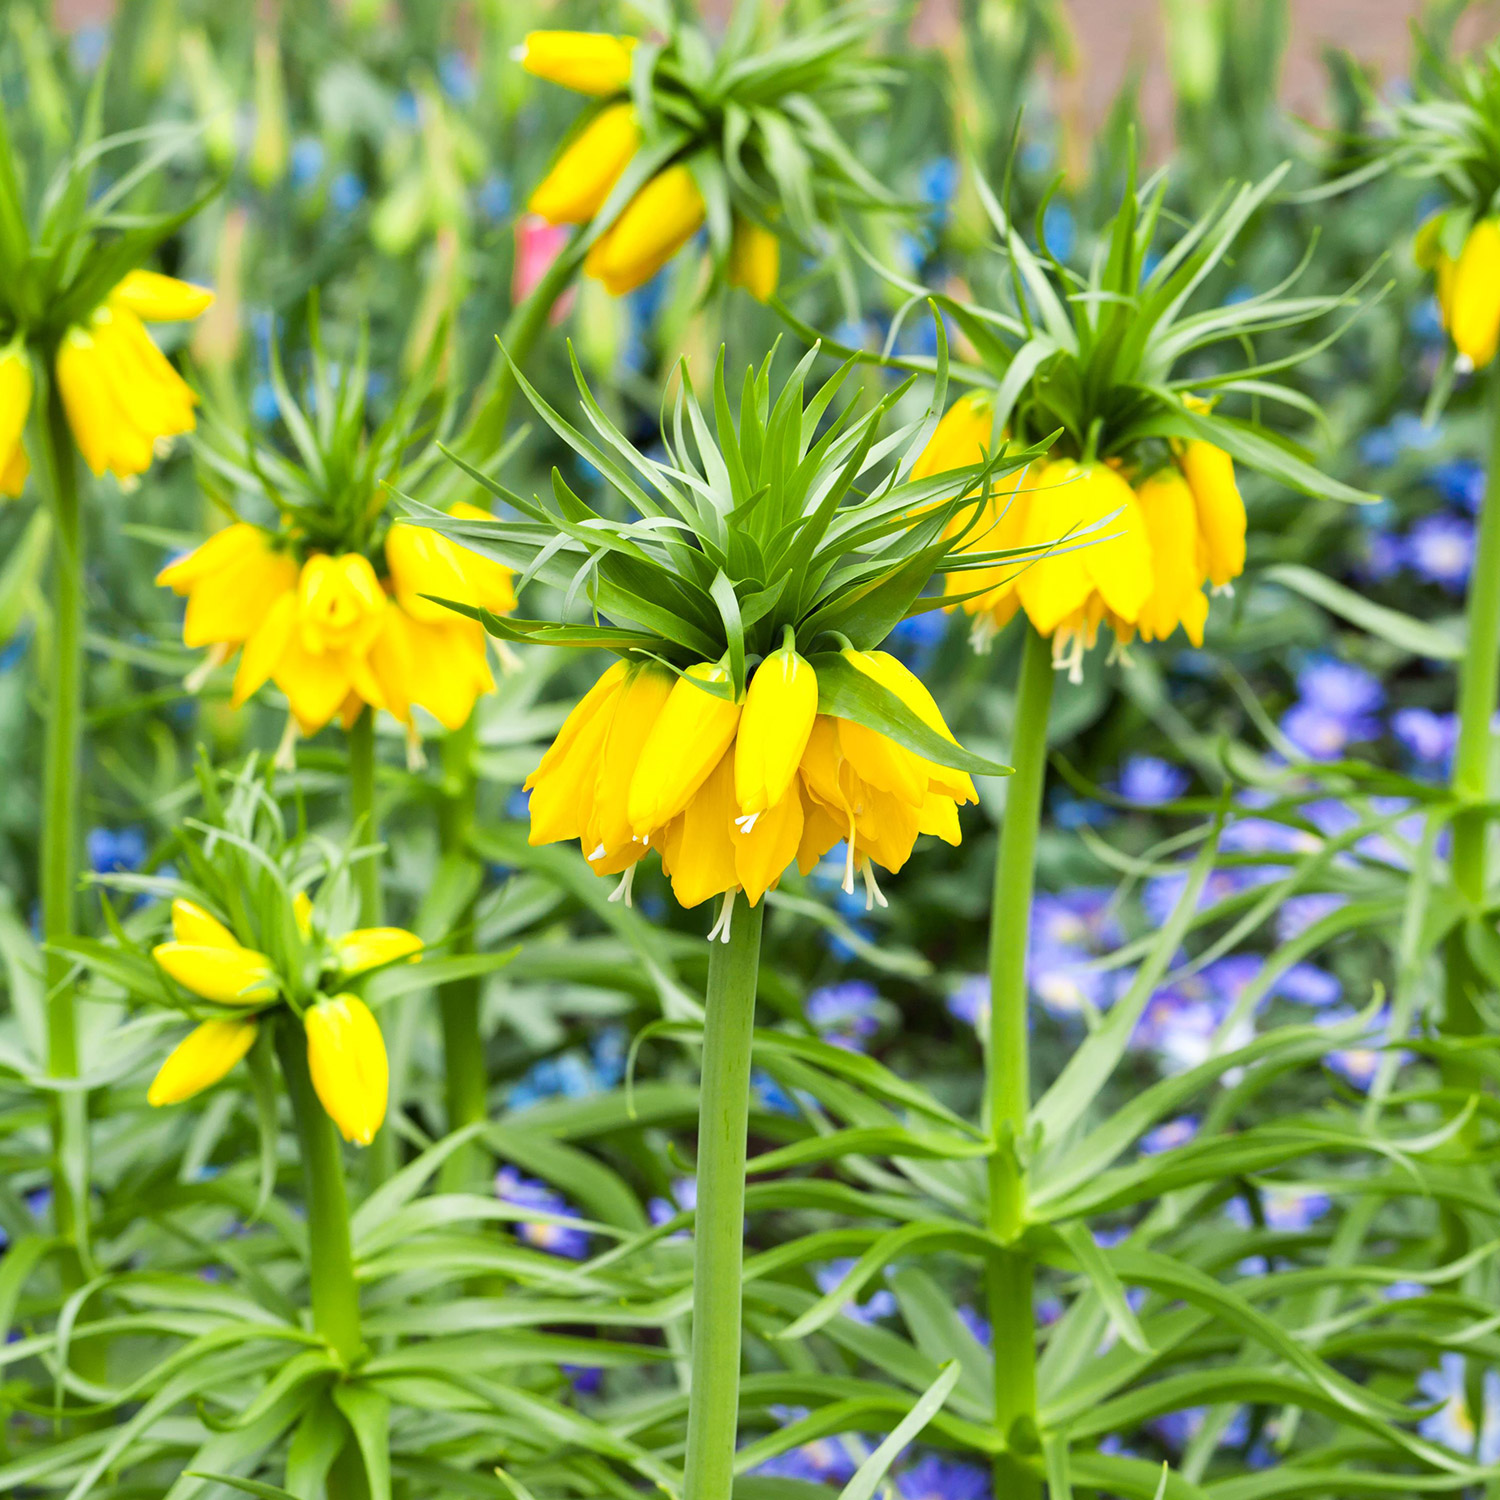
point(562, 786)
point(754, 259)
point(961, 438)
point(492, 583)
point(780, 706)
point(587, 169)
point(686, 742)
point(424, 565)
point(642, 698)
point(15, 404)
point(1177, 597)
point(194, 926)
point(229, 976)
point(200, 1060)
point(302, 913)
point(653, 227)
point(1472, 304)
point(350, 1072)
point(369, 947)
point(161, 299)
point(589, 62)
point(1221, 512)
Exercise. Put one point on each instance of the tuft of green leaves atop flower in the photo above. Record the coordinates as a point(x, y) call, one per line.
point(776, 517)
point(742, 136)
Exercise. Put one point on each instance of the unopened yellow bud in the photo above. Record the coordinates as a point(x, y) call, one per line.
point(192, 925)
point(200, 1060)
point(15, 404)
point(653, 227)
point(347, 1060)
point(1473, 299)
point(589, 62)
point(686, 742)
point(754, 259)
point(779, 710)
point(1209, 471)
point(161, 299)
point(585, 173)
point(228, 976)
point(369, 947)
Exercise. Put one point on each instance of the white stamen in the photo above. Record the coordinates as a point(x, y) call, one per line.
point(848, 886)
point(720, 929)
point(982, 634)
point(286, 751)
point(598, 853)
point(622, 891)
point(874, 896)
point(746, 821)
point(416, 757)
point(518, 53)
point(1463, 365)
point(1222, 591)
point(217, 656)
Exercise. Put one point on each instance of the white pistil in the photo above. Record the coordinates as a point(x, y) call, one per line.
point(874, 896)
point(598, 853)
point(746, 821)
point(217, 655)
point(720, 929)
point(622, 891)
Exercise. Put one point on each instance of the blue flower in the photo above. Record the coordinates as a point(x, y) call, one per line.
point(1321, 735)
point(1381, 555)
point(1460, 481)
point(824, 1461)
point(1309, 985)
point(494, 198)
point(1082, 916)
point(1430, 738)
point(845, 1014)
point(1358, 1064)
point(1149, 780)
point(1289, 1210)
point(1340, 687)
point(1453, 1424)
point(1413, 434)
point(1426, 321)
point(1298, 913)
point(934, 1478)
point(586, 1380)
point(114, 851)
point(1378, 447)
point(307, 158)
point(939, 180)
point(916, 639)
point(346, 192)
point(976, 1323)
point(881, 1303)
point(456, 75)
point(1065, 981)
point(1169, 1135)
point(969, 1002)
point(771, 1096)
point(1059, 229)
point(1069, 811)
point(556, 1239)
point(663, 1210)
point(263, 404)
point(1441, 549)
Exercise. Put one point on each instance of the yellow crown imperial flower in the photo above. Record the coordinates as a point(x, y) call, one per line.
point(347, 1060)
point(962, 437)
point(120, 393)
point(661, 218)
point(369, 947)
point(562, 786)
point(1469, 294)
point(611, 844)
point(206, 958)
point(780, 707)
point(15, 405)
point(201, 1059)
point(583, 176)
point(688, 739)
point(588, 62)
point(754, 259)
point(1177, 559)
point(230, 581)
point(1220, 512)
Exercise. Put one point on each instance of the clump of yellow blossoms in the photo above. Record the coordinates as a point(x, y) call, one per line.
point(731, 794)
point(332, 633)
point(346, 1054)
point(122, 397)
point(1134, 551)
point(707, 158)
point(1468, 286)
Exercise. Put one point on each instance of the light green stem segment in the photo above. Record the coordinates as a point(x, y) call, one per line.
point(487, 417)
point(465, 1081)
point(362, 813)
point(1008, 1084)
point(1478, 686)
point(335, 1294)
point(59, 873)
point(719, 1232)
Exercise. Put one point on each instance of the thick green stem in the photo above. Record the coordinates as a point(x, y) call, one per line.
point(362, 813)
point(1478, 686)
point(466, 1084)
point(335, 1294)
point(59, 873)
point(1008, 1084)
point(491, 407)
point(719, 1232)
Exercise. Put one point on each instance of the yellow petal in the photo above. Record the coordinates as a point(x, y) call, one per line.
point(368, 947)
point(302, 913)
point(653, 227)
point(962, 437)
point(588, 167)
point(264, 649)
point(450, 669)
point(689, 737)
point(424, 562)
point(562, 786)
point(15, 397)
point(821, 830)
point(340, 603)
point(780, 707)
point(347, 1060)
point(161, 299)
point(13, 473)
point(1474, 295)
point(764, 848)
point(493, 584)
point(200, 1060)
point(699, 853)
point(96, 422)
point(1171, 519)
point(589, 62)
point(194, 926)
point(642, 698)
point(1221, 513)
point(229, 976)
point(754, 259)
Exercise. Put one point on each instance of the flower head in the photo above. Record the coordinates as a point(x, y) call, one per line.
point(206, 958)
point(201, 1059)
point(347, 1060)
point(15, 403)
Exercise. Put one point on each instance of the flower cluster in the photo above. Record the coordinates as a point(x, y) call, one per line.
point(732, 793)
point(332, 633)
point(1468, 284)
point(1139, 547)
point(345, 1051)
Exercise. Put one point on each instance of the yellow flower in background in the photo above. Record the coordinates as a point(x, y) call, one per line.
point(589, 62)
point(120, 393)
point(1219, 510)
point(206, 958)
point(585, 173)
point(661, 218)
point(754, 259)
point(347, 1060)
point(369, 947)
point(961, 438)
point(732, 796)
point(201, 1059)
point(1468, 288)
point(1177, 559)
point(334, 637)
point(15, 405)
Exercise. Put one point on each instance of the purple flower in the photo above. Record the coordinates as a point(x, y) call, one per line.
point(1380, 555)
point(1427, 736)
point(1066, 984)
point(880, 1304)
point(586, 1380)
point(1148, 781)
point(1453, 1424)
point(934, 1478)
point(1358, 1063)
point(1309, 985)
point(1441, 550)
point(977, 1324)
point(771, 1096)
point(1460, 481)
point(1084, 916)
point(1321, 735)
point(1340, 688)
point(555, 1239)
point(1298, 913)
point(824, 1461)
point(970, 1001)
point(845, 1014)
point(664, 1210)
point(1169, 1135)
point(1162, 893)
point(1287, 1209)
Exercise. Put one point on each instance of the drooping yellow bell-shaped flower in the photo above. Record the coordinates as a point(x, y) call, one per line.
point(198, 928)
point(584, 174)
point(589, 62)
point(780, 705)
point(231, 581)
point(1470, 295)
point(15, 405)
point(661, 218)
point(347, 1060)
point(962, 437)
point(562, 786)
point(1177, 559)
point(609, 837)
point(692, 731)
point(1209, 471)
point(754, 259)
point(201, 1059)
point(369, 947)
point(155, 298)
point(698, 850)
point(766, 842)
point(492, 584)
point(206, 958)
